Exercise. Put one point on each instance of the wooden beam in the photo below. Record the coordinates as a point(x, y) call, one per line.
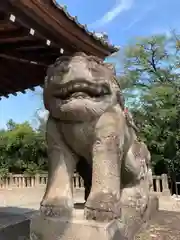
point(34, 53)
point(27, 21)
point(7, 26)
point(4, 6)
point(19, 77)
point(15, 39)
point(22, 60)
point(43, 56)
point(35, 45)
point(17, 45)
point(17, 32)
point(2, 15)
point(10, 75)
point(23, 70)
point(17, 73)
point(32, 48)
point(57, 22)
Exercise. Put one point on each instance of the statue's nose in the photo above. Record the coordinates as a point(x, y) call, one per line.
point(77, 69)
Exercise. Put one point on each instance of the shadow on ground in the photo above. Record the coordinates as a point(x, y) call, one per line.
point(15, 223)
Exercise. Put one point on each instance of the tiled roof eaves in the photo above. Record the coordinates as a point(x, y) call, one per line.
point(106, 44)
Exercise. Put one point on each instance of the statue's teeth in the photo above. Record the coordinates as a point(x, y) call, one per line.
point(105, 90)
point(98, 89)
point(91, 89)
point(70, 88)
point(76, 86)
point(84, 85)
point(64, 90)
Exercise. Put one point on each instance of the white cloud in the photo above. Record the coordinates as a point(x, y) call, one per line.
point(40, 113)
point(162, 30)
point(121, 6)
point(139, 18)
point(43, 113)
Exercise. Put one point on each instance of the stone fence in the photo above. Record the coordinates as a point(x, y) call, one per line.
point(160, 183)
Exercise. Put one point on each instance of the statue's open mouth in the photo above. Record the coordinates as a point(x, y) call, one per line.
point(81, 89)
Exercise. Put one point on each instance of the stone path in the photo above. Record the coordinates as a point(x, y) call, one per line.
point(26, 198)
point(20, 200)
point(169, 204)
point(31, 197)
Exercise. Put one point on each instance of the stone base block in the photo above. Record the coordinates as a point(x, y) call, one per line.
point(59, 229)
point(77, 228)
point(15, 226)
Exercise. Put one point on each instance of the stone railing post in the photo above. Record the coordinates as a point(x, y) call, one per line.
point(37, 180)
point(11, 180)
point(165, 187)
point(23, 182)
point(158, 186)
point(1, 182)
point(75, 180)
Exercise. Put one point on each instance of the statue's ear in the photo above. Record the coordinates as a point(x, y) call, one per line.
point(49, 71)
point(120, 99)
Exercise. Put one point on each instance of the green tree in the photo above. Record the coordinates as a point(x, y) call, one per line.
point(22, 149)
point(151, 73)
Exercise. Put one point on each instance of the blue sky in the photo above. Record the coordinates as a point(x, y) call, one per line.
point(122, 20)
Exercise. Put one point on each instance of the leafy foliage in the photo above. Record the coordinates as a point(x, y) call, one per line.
point(22, 149)
point(151, 84)
point(151, 72)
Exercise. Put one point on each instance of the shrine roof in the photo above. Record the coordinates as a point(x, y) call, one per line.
point(33, 33)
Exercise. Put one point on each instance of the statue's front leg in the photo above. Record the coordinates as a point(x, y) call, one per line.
point(58, 197)
point(103, 202)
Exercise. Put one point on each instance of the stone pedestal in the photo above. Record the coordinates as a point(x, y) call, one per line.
point(63, 229)
point(77, 228)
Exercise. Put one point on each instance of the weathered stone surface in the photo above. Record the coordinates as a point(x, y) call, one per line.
point(62, 229)
point(77, 228)
point(88, 123)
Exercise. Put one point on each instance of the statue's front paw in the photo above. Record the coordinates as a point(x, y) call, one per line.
point(103, 207)
point(56, 207)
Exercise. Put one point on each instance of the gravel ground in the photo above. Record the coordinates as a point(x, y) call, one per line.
point(164, 225)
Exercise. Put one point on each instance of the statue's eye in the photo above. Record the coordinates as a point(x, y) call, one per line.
point(94, 68)
point(96, 73)
point(61, 69)
point(92, 65)
point(64, 67)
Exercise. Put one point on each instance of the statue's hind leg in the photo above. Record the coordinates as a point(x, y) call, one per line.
point(135, 192)
point(58, 197)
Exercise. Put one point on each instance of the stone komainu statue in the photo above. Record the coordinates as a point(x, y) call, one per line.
point(87, 128)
